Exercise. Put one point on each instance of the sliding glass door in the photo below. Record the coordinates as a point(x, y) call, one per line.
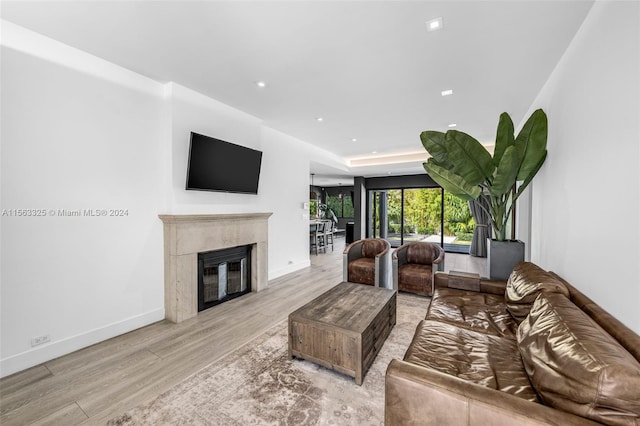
point(403, 215)
point(458, 224)
point(385, 215)
point(420, 214)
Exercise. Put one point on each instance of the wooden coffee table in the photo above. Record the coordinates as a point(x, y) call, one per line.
point(344, 328)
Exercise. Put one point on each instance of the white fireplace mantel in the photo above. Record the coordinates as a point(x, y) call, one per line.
point(187, 235)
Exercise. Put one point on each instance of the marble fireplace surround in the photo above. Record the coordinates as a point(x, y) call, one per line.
point(187, 235)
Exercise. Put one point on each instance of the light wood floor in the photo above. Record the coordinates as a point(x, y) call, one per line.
point(99, 382)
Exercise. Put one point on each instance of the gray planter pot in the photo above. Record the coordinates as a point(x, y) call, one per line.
point(502, 257)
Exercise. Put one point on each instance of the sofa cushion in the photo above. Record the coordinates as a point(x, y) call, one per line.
point(523, 286)
point(479, 358)
point(576, 366)
point(482, 312)
point(373, 247)
point(422, 253)
point(362, 270)
point(415, 278)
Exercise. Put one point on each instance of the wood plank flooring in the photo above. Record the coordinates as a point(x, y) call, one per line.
point(94, 384)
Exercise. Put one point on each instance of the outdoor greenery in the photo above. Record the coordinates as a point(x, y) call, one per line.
point(341, 204)
point(313, 208)
point(422, 214)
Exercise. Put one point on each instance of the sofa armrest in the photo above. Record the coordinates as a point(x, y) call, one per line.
point(416, 395)
point(441, 280)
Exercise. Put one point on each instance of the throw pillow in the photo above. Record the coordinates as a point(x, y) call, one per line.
point(523, 286)
point(575, 366)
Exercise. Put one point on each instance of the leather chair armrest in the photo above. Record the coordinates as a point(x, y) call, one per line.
point(383, 268)
point(398, 258)
point(416, 395)
point(439, 260)
point(394, 272)
point(400, 255)
point(438, 266)
point(351, 252)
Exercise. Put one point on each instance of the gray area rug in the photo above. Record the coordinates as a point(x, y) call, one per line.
point(258, 384)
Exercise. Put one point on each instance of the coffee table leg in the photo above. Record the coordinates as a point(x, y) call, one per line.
point(290, 340)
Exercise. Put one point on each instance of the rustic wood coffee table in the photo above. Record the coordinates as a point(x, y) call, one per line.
point(344, 328)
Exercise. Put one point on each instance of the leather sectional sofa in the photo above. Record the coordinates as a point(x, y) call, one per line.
point(531, 351)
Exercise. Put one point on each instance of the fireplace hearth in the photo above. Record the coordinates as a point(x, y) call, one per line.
point(223, 275)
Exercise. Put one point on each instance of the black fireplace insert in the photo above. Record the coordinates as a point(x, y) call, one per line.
point(223, 275)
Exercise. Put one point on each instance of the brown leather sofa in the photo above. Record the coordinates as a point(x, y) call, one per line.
point(367, 261)
point(532, 351)
point(414, 266)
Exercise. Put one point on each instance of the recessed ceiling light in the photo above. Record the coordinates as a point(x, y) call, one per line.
point(452, 125)
point(374, 152)
point(354, 140)
point(319, 119)
point(261, 84)
point(434, 24)
point(448, 92)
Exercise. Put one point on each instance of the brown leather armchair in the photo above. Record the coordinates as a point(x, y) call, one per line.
point(414, 266)
point(367, 261)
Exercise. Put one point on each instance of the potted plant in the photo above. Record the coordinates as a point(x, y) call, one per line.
point(463, 167)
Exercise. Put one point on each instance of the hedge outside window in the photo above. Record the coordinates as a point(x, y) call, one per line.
point(341, 204)
point(313, 208)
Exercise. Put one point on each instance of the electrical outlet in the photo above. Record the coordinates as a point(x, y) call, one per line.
point(39, 340)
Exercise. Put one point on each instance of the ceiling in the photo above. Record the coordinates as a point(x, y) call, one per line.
point(370, 69)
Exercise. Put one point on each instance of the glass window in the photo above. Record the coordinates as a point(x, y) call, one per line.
point(403, 215)
point(458, 224)
point(313, 208)
point(347, 206)
point(341, 205)
point(334, 202)
point(422, 214)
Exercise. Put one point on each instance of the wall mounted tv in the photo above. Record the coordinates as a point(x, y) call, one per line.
point(216, 165)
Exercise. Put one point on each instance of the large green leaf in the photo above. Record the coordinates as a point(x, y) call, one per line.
point(526, 182)
point(433, 142)
point(532, 143)
point(504, 137)
point(470, 160)
point(506, 172)
point(451, 182)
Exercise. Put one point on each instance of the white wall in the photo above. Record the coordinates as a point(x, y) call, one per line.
point(285, 158)
point(586, 214)
point(81, 133)
point(192, 111)
point(283, 185)
point(77, 133)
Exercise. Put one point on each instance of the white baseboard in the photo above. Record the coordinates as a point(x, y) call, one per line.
point(289, 269)
point(55, 349)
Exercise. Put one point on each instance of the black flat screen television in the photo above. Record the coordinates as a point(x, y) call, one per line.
point(216, 165)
